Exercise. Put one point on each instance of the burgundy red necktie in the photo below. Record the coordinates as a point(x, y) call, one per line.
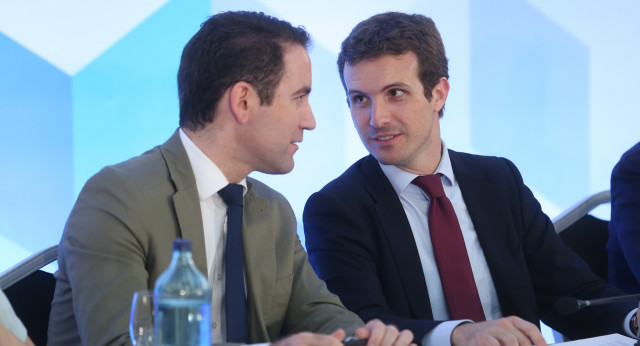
point(450, 252)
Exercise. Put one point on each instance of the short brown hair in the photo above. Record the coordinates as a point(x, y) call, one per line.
point(231, 47)
point(398, 33)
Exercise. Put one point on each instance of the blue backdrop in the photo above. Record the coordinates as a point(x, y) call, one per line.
point(86, 84)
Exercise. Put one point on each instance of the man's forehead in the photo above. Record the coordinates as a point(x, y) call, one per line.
point(380, 71)
point(296, 57)
point(297, 69)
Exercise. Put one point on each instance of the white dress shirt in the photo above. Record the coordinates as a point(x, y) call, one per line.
point(9, 319)
point(416, 205)
point(210, 180)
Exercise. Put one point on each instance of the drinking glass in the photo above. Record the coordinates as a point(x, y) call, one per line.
point(141, 322)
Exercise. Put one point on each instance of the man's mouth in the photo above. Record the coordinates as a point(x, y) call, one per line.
point(384, 138)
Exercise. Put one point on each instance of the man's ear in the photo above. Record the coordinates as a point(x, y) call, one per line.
point(243, 98)
point(439, 93)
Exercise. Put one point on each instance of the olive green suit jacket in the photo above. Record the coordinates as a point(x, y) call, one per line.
point(118, 240)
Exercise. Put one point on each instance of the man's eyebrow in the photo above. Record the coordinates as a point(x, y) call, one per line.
point(386, 87)
point(304, 91)
point(395, 85)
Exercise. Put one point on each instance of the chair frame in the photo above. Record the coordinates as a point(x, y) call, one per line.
point(28, 266)
point(580, 209)
point(571, 215)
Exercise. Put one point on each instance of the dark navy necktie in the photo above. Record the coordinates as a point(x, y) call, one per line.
point(459, 286)
point(236, 303)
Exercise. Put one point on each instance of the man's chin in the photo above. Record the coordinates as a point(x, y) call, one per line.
point(282, 169)
point(385, 160)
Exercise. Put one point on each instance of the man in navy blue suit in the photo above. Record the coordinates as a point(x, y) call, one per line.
point(624, 227)
point(368, 233)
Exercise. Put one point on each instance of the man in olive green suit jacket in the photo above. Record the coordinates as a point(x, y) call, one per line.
point(243, 83)
point(134, 210)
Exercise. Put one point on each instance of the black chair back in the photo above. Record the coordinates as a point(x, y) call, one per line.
point(30, 292)
point(31, 300)
point(588, 238)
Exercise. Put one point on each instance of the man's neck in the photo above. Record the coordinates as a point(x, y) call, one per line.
point(220, 151)
point(427, 164)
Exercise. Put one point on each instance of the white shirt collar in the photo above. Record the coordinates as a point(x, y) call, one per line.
point(400, 178)
point(209, 178)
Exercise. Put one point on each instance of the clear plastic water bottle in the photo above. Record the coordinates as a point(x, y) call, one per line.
point(183, 302)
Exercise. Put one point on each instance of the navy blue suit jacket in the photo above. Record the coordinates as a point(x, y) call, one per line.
point(624, 227)
point(360, 242)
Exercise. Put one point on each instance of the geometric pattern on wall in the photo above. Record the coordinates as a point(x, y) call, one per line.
point(551, 88)
point(541, 120)
point(36, 167)
point(63, 128)
point(125, 101)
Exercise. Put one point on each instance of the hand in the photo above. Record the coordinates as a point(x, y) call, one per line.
point(310, 339)
point(505, 331)
point(380, 334)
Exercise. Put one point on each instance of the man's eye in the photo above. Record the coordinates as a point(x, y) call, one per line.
point(359, 99)
point(396, 92)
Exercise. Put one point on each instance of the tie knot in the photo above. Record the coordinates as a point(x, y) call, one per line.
point(430, 184)
point(232, 194)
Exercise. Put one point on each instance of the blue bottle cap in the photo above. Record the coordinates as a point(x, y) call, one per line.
point(181, 244)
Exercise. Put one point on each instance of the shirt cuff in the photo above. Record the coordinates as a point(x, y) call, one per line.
point(626, 324)
point(10, 320)
point(441, 334)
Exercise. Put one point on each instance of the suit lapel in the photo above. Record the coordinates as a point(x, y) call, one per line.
point(477, 188)
point(260, 262)
point(492, 224)
point(257, 232)
point(185, 200)
point(396, 230)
